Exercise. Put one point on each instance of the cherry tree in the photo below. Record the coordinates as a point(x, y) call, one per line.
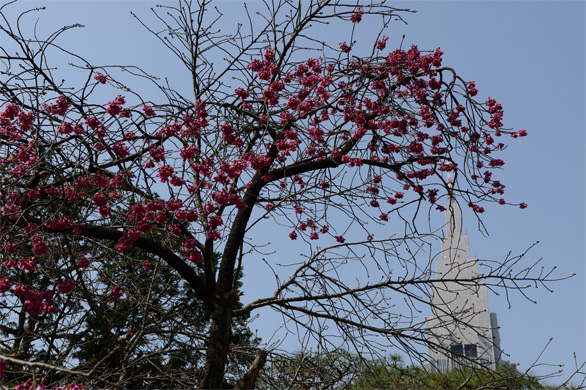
point(328, 143)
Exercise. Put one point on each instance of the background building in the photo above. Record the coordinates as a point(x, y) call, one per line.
point(461, 325)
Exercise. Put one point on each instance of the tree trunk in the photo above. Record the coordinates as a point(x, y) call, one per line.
point(218, 343)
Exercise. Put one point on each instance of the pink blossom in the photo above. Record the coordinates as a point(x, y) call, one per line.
point(472, 91)
point(39, 246)
point(148, 111)
point(105, 211)
point(144, 227)
point(5, 285)
point(157, 153)
point(165, 172)
point(120, 149)
point(209, 207)
point(175, 229)
point(65, 128)
point(65, 287)
point(26, 120)
point(520, 133)
point(78, 129)
point(100, 199)
point(21, 290)
point(115, 106)
point(476, 208)
point(214, 235)
point(255, 65)
point(215, 221)
point(372, 189)
point(11, 248)
point(293, 235)
point(52, 191)
point(29, 386)
point(264, 75)
point(10, 263)
point(188, 152)
point(356, 17)
point(82, 182)
point(60, 106)
point(174, 205)
point(241, 93)
point(118, 291)
point(190, 243)
point(195, 257)
point(100, 180)
point(317, 134)
point(10, 112)
point(62, 223)
point(345, 48)
point(340, 239)
point(271, 97)
point(34, 193)
point(101, 78)
point(382, 43)
point(92, 122)
point(113, 109)
point(83, 262)
point(269, 55)
point(496, 163)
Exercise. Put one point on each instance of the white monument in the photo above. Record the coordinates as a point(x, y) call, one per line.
point(461, 322)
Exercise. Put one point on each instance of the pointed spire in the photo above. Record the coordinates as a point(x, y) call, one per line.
point(450, 185)
point(453, 212)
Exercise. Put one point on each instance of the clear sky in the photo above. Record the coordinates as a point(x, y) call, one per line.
point(530, 57)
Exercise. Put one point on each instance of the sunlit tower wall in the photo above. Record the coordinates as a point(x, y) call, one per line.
point(461, 322)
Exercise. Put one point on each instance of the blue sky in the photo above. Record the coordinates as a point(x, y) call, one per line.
point(530, 57)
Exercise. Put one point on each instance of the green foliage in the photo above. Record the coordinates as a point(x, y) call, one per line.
point(342, 370)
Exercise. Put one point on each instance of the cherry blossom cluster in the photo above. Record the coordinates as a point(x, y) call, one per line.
point(37, 302)
point(393, 117)
point(417, 78)
point(32, 385)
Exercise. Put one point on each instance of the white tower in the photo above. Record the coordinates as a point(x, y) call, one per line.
point(461, 322)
